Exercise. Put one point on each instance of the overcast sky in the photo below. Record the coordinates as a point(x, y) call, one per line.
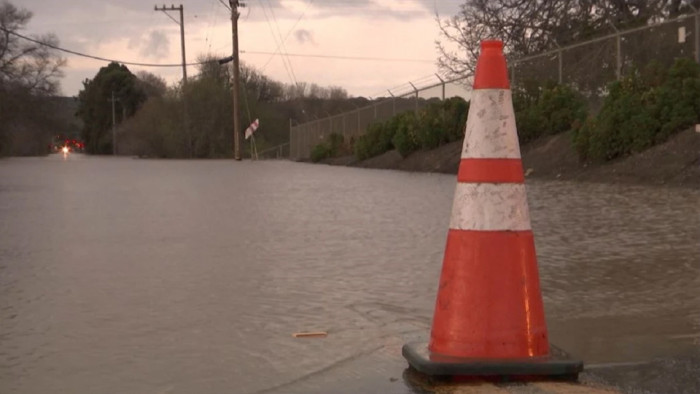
point(130, 30)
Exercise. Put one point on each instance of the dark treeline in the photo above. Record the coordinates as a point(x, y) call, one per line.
point(195, 120)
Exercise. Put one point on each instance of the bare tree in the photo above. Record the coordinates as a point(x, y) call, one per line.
point(29, 74)
point(26, 64)
point(152, 84)
point(532, 26)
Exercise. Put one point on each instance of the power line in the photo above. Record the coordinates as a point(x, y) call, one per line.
point(284, 48)
point(364, 58)
point(225, 5)
point(96, 57)
point(285, 60)
point(287, 36)
point(76, 53)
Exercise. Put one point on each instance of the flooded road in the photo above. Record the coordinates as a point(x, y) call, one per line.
point(140, 276)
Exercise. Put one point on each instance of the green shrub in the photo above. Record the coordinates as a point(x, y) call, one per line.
point(336, 143)
point(405, 140)
point(546, 110)
point(581, 137)
point(456, 110)
point(437, 123)
point(325, 150)
point(530, 124)
point(442, 122)
point(641, 110)
point(676, 103)
point(320, 152)
point(376, 141)
point(624, 124)
point(431, 131)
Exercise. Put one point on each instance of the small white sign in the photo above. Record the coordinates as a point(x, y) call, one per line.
point(251, 129)
point(697, 128)
point(681, 35)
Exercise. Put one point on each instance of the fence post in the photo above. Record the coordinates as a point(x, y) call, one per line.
point(513, 64)
point(302, 140)
point(443, 86)
point(393, 102)
point(561, 66)
point(618, 72)
point(697, 35)
point(618, 60)
point(415, 90)
point(291, 140)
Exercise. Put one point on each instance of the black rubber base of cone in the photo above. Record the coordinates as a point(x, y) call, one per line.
point(557, 365)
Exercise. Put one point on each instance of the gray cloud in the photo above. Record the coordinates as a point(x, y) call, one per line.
point(140, 12)
point(304, 36)
point(156, 46)
point(89, 25)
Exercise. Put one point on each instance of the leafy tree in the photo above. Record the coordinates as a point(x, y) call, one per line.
point(209, 100)
point(95, 107)
point(259, 87)
point(157, 130)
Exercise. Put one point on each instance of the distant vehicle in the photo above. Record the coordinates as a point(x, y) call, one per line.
point(73, 145)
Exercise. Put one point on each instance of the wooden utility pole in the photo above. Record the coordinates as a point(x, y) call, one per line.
point(185, 113)
point(236, 79)
point(182, 34)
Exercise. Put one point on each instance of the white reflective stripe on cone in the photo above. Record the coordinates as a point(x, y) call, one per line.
point(490, 207)
point(490, 129)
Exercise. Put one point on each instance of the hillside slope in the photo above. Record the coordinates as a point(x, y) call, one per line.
point(675, 162)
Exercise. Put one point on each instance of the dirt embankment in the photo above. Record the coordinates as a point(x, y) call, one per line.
point(675, 162)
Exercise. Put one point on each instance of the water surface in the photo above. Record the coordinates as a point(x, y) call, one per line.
point(122, 275)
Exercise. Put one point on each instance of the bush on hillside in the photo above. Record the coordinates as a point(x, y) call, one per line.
point(320, 152)
point(456, 111)
point(624, 124)
point(641, 110)
point(329, 149)
point(442, 122)
point(405, 140)
point(438, 123)
point(546, 110)
point(431, 131)
point(677, 100)
point(376, 141)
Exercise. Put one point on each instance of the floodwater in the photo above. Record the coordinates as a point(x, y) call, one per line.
point(143, 276)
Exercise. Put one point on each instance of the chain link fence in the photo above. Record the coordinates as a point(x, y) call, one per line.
point(352, 124)
point(591, 65)
point(587, 66)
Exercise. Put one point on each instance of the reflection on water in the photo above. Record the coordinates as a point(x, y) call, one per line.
point(122, 275)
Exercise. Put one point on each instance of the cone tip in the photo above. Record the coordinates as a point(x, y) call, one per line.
point(491, 69)
point(492, 44)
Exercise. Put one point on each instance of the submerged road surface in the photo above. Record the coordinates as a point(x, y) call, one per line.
point(152, 276)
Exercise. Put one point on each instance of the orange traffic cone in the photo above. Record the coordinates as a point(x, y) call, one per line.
point(489, 317)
